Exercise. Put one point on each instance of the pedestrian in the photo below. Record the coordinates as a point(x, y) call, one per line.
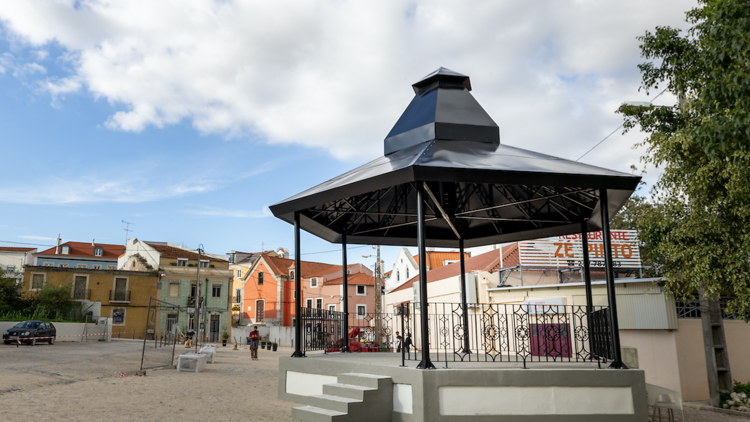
point(253, 340)
point(407, 343)
point(399, 340)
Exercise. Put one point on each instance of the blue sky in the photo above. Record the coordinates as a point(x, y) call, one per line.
point(189, 118)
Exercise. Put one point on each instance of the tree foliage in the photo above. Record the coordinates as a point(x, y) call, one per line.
point(700, 230)
point(10, 295)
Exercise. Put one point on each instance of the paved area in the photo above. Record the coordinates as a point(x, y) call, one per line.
point(694, 415)
point(78, 381)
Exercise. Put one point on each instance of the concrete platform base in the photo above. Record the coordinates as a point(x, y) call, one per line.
point(344, 387)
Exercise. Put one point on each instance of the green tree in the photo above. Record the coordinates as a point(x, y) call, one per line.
point(700, 230)
point(10, 295)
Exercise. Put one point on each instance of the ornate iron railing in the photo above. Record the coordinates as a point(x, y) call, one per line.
point(487, 333)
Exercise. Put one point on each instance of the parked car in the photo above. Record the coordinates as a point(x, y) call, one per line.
point(28, 331)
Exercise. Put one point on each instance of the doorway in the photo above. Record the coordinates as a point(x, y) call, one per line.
point(214, 329)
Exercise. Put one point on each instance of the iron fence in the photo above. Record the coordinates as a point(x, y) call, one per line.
point(691, 309)
point(486, 333)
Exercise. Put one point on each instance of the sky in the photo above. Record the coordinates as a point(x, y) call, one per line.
point(188, 118)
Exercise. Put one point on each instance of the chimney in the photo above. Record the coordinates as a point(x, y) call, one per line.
point(92, 242)
point(57, 248)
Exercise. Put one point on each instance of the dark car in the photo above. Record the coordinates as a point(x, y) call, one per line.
point(29, 331)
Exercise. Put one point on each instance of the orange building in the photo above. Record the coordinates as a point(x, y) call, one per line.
point(269, 294)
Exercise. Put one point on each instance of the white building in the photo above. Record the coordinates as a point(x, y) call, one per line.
point(13, 259)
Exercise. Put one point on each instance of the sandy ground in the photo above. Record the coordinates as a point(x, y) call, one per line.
point(79, 382)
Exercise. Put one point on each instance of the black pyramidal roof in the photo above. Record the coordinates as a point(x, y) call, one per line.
point(478, 188)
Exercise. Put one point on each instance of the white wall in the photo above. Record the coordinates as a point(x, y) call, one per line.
point(404, 260)
point(72, 331)
point(135, 246)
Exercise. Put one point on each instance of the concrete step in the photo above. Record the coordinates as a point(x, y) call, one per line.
point(356, 392)
point(337, 403)
point(364, 380)
point(316, 414)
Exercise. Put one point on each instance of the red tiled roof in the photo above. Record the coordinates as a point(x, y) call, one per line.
point(360, 279)
point(87, 249)
point(167, 251)
point(15, 249)
point(476, 263)
point(435, 259)
point(281, 266)
point(510, 258)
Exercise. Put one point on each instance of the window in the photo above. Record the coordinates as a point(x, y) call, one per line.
point(216, 290)
point(398, 275)
point(174, 288)
point(193, 289)
point(98, 251)
point(49, 264)
point(203, 264)
point(97, 266)
point(239, 273)
point(260, 278)
point(348, 272)
point(63, 265)
point(182, 262)
point(361, 311)
point(308, 303)
point(111, 266)
point(291, 275)
point(232, 258)
point(118, 316)
point(37, 281)
point(361, 291)
point(120, 289)
point(314, 282)
point(65, 250)
point(319, 303)
point(81, 266)
point(331, 308)
point(294, 294)
point(80, 286)
point(407, 273)
point(237, 295)
point(10, 268)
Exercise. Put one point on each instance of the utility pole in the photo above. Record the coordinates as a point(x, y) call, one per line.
point(378, 300)
point(198, 300)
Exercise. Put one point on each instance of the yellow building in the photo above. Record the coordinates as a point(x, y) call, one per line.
point(123, 295)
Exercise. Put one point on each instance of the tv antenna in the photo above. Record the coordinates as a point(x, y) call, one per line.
point(127, 230)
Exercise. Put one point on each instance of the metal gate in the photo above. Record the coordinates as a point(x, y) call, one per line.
point(160, 334)
point(214, 332)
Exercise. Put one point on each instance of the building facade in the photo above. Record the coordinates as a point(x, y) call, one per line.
point(121, 295)
point(407, 265)
point(183, 271)
point(13, 260)
point(91, 255)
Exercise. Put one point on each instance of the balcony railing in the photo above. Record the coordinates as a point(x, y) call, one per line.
point(495, 333)
point(122, 296)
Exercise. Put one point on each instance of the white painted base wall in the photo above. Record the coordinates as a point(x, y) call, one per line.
point(66, 330)
point(543, 400)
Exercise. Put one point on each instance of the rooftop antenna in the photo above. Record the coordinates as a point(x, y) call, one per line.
point(127, 230)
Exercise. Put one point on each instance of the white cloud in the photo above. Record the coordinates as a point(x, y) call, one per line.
point(36, 237)
point(136, 183)
point(203, 210)
point(336, 74)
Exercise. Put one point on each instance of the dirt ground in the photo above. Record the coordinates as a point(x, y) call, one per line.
point(78, 381)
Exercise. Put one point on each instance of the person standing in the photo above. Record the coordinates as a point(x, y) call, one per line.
point(253, 340)
point(399, 340)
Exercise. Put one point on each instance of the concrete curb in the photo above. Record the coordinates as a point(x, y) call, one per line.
point(707, 408)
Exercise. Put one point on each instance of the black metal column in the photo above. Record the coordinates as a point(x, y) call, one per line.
point(608, 268)
point(465, 318)
point(345, 349)
point(298, 288)
point(586, 271)
point(421, 244)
